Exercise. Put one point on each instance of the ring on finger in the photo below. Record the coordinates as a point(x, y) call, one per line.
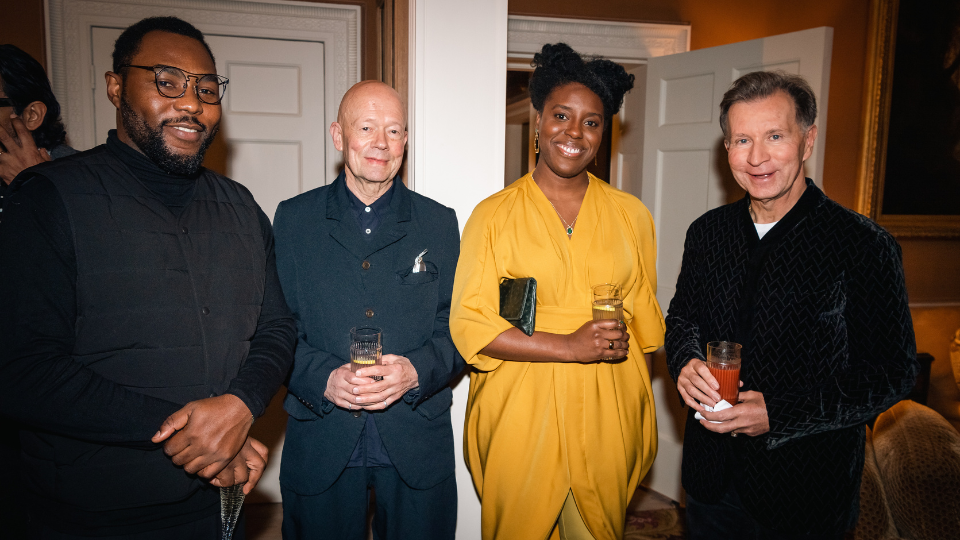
point(733, 433)
point(611, 346)
point(349, 406)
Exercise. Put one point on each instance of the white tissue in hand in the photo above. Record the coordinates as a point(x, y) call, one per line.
point(720, 406)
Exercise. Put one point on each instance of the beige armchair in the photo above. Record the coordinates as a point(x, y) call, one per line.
point(911, 478)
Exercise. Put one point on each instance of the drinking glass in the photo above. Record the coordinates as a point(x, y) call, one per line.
point(723, 360)
point(607, 302)
point(365, 348)
point(231, 499)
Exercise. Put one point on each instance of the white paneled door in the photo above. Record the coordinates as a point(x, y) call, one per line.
point(273, 112)
point(685, 171)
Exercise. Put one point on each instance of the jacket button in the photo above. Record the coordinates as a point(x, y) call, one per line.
point(369, 313)
point(365, 265)
point(183, 230)
point(205, 310)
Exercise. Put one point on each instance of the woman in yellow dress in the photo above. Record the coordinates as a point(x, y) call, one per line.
point(560, 425)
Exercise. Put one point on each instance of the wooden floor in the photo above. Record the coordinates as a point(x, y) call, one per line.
point(263, 520)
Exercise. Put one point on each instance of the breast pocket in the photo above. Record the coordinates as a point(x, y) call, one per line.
point(407, 276)
point(415, 297)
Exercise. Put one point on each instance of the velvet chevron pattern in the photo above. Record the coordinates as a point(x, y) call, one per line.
point(820, 307)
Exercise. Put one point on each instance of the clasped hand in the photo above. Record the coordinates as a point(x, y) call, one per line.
point(697, 386)
point(359, 391)
point(206, 435)
point(246, 467)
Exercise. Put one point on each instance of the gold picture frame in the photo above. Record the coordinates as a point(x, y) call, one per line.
point(881, 46)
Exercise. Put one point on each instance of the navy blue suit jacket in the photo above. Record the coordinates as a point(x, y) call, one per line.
point(320, 259)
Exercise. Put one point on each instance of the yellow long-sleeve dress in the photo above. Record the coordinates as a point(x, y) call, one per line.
point(535, 431)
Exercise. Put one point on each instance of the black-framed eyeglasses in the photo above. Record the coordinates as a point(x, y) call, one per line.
point(172, 83)
point(6, 102)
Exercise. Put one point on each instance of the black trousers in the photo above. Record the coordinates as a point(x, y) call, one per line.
point(727, 520)
point(207, 528)
point(402, 513)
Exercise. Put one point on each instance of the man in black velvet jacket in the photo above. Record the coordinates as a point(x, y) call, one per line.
point(140, 306)
point(815, 294)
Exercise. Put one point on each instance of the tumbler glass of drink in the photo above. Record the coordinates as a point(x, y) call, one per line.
point(723, 360)
point(365, 348)
point(607, 302)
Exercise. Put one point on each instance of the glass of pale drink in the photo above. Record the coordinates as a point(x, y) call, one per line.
point(365, 348)
point(607, 302)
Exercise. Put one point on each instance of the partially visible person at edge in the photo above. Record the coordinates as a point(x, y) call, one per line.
point(141, 306)
point(560, 425)
point(29, 124)
point(815, 295)
point(30, 128)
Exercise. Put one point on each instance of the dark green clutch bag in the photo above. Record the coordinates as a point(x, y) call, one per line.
point(518, 303)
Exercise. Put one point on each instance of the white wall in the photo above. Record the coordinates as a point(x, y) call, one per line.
point(457, 109)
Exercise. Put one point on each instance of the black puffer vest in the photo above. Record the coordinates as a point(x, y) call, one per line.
point(166, 305)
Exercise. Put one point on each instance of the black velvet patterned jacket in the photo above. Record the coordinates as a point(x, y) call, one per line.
point(820, 307)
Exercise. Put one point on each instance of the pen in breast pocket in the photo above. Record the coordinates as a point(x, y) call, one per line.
point(418, 265)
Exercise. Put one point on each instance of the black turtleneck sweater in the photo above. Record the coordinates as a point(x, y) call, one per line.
point(39, 257)
point(173, 189)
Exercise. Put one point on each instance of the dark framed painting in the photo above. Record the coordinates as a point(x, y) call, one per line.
point(909, 174)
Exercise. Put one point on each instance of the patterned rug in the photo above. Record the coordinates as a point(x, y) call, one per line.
point(660, 524)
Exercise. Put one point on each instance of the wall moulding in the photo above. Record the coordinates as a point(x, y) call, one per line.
point(623, 42)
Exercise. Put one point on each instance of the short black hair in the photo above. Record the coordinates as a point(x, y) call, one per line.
point(25, 81)
point(128, 44)
point(558, 64)
point(761, 84)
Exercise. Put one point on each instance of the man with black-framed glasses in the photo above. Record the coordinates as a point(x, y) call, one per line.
point(143, 324)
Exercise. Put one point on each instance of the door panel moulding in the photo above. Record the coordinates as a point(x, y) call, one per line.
point(623, 42)
point(69, 24)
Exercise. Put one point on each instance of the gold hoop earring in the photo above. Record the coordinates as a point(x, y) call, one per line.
point(536, 142)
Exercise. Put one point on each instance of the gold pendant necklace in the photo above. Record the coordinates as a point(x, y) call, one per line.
point(569, 226)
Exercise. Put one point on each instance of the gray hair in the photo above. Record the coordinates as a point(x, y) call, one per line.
point(762, 84)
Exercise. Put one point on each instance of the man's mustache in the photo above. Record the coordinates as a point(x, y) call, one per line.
point(196, 124)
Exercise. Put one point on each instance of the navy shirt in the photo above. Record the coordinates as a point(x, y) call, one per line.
point(369, 451)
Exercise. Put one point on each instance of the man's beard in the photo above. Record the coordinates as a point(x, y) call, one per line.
point(150, 141)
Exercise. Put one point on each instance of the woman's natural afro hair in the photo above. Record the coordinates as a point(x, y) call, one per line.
point(557, 64)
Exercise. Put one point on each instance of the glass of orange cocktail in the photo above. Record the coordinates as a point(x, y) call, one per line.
point(723, 361)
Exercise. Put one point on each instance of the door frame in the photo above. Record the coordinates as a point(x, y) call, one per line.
point(623, 42)
point(69, 24)
point(629, 44)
